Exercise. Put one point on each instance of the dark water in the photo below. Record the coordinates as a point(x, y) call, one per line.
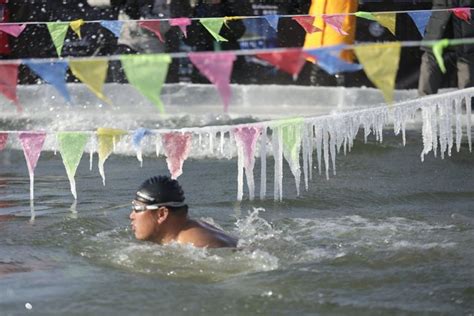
point(388, 235)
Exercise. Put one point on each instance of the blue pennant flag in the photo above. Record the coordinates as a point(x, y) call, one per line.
point(421, 20)
point(113, 26)
point(53, 73)
point(139, 135)
point(328, 59)
point(273, 19)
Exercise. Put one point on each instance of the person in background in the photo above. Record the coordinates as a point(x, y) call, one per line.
point(458, 59)
point(159, 214)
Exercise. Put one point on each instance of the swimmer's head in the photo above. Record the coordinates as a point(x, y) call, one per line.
point(161, 190)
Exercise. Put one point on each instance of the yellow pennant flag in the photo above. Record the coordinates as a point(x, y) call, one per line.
point(76, 26)
point(92, 73)
point(388, 20)
point(380, 63)
point(107, 138)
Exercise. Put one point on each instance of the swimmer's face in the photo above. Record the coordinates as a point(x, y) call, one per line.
point(143, 223)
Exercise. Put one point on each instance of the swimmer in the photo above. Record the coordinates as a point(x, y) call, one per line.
point(159, 214)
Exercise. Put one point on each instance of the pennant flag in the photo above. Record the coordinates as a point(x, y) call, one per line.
point(58, 31)
point(336, 22)
point(147, 73)
point(13, 29)
point(32, 144)
point(328, 59)
point(107, 138)
point(380, 63)
point(388, 20)
point(217, 67)
point(71, 146)
point(182, 23)
point(421, 20)
point(246, 139)
point(438, 50)
point(3, 140)
point(76, 26)
point(53, 73)
point(307, 22)
point(113, 26)
point(463, 13)
point(213, 26)
point(153, 26)
point(291, 61)
point(177, 147)
point(365, 15)
point(273, 20)
point(8, 82)
point(137, 140)
point(92, 73)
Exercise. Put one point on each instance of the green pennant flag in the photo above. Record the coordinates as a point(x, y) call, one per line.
point(71, 146)
point(147, 73)
point(438, 50)
point(365, 15)
point(58, 31)
point(213, 26)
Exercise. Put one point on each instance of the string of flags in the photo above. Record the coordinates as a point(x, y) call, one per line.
point(147, 72)
point(292, 140)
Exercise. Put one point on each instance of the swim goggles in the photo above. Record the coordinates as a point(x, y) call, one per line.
point(153, 207)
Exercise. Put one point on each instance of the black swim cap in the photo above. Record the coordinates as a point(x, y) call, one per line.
point(161, 189)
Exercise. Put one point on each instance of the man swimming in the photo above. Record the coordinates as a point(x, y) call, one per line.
point(159, 214)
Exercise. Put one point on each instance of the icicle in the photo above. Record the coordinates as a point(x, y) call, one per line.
point(318, 136)
point(92, 150)
point(211, 142)
point(457, 106)
point(434, 129)
point(449, 125)
point(404, 135)
point(326, 150)
point(468, 122)
point(158, 144)
point(310, 150)
point(292, 139)
point(426, 132)
point(263, 168)
point(443, 132)
point(55, 146)
point(200, 140)
point(222, 143)
point(240, 172)
point(246, 140)
point(306, 141)
point(277, 144)
point(332, 147)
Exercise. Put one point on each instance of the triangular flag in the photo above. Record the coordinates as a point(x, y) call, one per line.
point(336, 22)
point(327, 59)
point(76, 26)
point(421, 20)
point(107, 138)
point(307, 22)
point(8, 82)
point(273, 20)
point(3, 140)
point(153, 26)
point(438, 49)
point(147, 73)
point(217, 67)
point(182, 23)
point(177, 147)
point(388, 20)
point(113, 26)
point(380, 63)
point(32, 144)
point(53, 73)
point(92, 73)
point(213, 26)
point(291, 61)
point(13, 29)
point(365, 15)
point(463, 13)
point(71, 146)
point(137, 140)
point(58, 31)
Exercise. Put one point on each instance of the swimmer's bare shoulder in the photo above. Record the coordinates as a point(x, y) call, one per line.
point(201, 234)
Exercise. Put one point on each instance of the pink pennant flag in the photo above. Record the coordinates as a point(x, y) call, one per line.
point(177, 147)
point(3, 140)
point(307, 23)
point(247, 137)
point(290, 61)
point(335, 21)
point(463, 13)
point(217, 67)
point(153, 26)
point(32, 143)
point(8, 82)
point(13, 29)
point(183, 23)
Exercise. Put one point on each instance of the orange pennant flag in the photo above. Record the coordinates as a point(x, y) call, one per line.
point(92, 73)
